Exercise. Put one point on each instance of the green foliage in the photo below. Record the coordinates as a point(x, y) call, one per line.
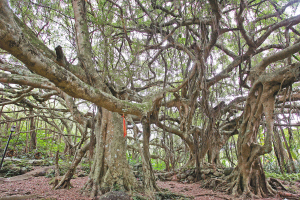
point(271, 167)
point(132, 161)
point(63, 166)
point(158, 164)
point(225, 162)
point(13, 172)
point(45, 146)
point(15, 167)
point(286, 177)
point(117, 187)
point(85, 167)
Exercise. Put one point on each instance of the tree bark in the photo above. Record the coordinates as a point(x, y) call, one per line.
point(110, 169)
point(248, 149)
point(65, 181)
point(32, 144)
point(280, 152)
point(291, 162)
point(149, 178)
point(248, 177)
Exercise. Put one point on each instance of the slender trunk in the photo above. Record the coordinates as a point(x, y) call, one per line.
point(27, 137)
point(167, 153)
point(65, 181)
point(32, 144)
point(172, 152)
point(279, 152)
point(196, 143)
point(56, 168)
point(291, 162)
point(149, 178)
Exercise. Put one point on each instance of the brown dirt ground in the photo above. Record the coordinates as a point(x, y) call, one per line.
point(39, 187)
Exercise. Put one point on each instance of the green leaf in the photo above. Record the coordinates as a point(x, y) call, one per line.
point(296, 58)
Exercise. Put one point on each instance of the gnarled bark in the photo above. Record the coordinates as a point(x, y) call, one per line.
point(110, 169)
point(248, 177)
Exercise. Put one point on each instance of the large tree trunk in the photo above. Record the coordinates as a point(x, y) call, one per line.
point(110, 169)
point(248, 177)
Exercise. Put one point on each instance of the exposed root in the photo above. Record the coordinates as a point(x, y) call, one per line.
point(60, 184)
point(90, 189)
point(214, 195)
point(289, 195)
point(214, 183)
point(249, 195)
point(94, 188)
point(169, 195)
point(66, 184)
point(257, 187)
point(275, 183)
point(229, 187)
point(274, 192)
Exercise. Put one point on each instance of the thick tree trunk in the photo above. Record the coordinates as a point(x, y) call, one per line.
point(110, 169)
point(248, 177)
point(250, 181)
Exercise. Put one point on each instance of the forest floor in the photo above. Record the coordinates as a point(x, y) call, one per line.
point(31, 187)
point(197, 192)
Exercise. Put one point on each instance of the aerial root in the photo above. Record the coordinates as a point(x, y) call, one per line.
point(63, 183)
point(249, 194)
point(230, 186)
point(87, 188)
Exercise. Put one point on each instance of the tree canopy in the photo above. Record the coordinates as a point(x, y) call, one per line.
point(203, 71)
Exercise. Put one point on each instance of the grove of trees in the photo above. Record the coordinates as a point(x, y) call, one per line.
point(197, 82)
